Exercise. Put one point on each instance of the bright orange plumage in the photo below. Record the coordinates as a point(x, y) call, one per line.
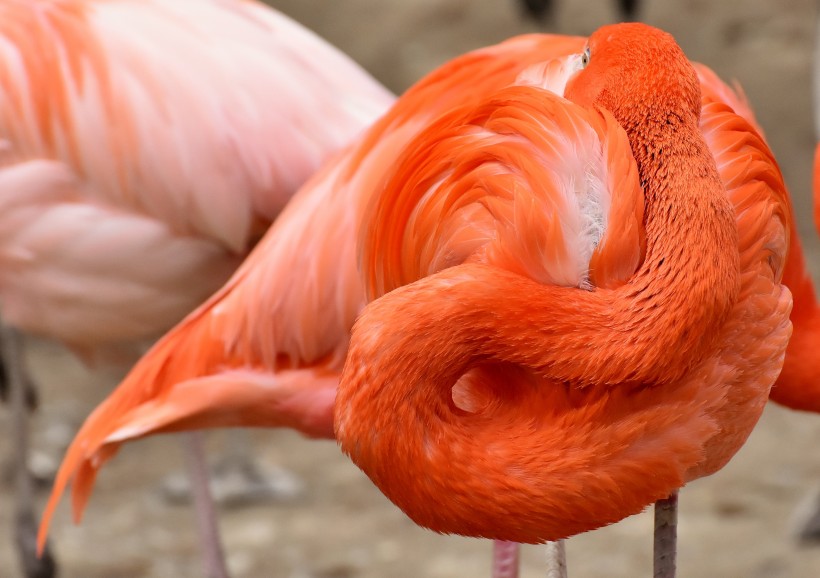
point(798, 386)
point(538, 408)
point(268, 349)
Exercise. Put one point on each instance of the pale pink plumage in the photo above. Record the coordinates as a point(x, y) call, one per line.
point(146, 145)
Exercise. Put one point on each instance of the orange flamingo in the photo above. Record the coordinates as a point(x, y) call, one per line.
point(267, 350)
point(546, 373)
point(146, 146)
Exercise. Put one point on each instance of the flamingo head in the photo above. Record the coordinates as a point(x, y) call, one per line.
point(639, 74)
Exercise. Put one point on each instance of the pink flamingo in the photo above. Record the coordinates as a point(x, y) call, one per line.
point(146, 146)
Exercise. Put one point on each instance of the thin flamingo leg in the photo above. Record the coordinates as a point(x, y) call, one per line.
point(237, 478)
point(505, 559)
point(244, 480)
point(628, 10)
point(556, 559)
point(666, 536)
point(25, 522)
point(207, 523)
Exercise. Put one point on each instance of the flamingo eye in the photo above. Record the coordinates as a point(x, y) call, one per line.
point(585, 57)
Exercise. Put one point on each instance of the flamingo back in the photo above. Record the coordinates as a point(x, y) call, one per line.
point(523, 182)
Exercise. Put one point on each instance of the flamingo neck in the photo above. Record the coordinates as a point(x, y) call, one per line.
point(689, 280)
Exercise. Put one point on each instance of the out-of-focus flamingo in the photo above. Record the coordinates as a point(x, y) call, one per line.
point(267, 350)
point(798, 386)
point(543, 9)
point(145, 146)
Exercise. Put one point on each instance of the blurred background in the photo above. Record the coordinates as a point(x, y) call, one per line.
point(737, 523)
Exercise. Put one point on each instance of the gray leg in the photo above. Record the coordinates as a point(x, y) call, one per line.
point(238, 479)
point(25, 521)
point(556, 559)
point(666, 536)
point(628, 9)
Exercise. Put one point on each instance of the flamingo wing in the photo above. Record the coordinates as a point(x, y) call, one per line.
point(766, 240)
point(798, 385)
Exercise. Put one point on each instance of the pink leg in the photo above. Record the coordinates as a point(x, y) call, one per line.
point(505, 559)
point(207, 523)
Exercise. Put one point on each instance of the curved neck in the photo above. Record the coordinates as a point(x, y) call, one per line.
point(664, 318)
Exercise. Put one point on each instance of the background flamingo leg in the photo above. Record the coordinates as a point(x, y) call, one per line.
point(505, 559)
point(25, 530)
point(238, 478)
point(207, 522)
point(544, 9)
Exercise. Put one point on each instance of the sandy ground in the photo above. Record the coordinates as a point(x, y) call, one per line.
point(734, 524)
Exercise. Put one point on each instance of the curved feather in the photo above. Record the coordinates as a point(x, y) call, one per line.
point(798, 385)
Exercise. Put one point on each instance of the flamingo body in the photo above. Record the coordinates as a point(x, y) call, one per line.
point(538, 407)
point(148, 144)
point(268, 349)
